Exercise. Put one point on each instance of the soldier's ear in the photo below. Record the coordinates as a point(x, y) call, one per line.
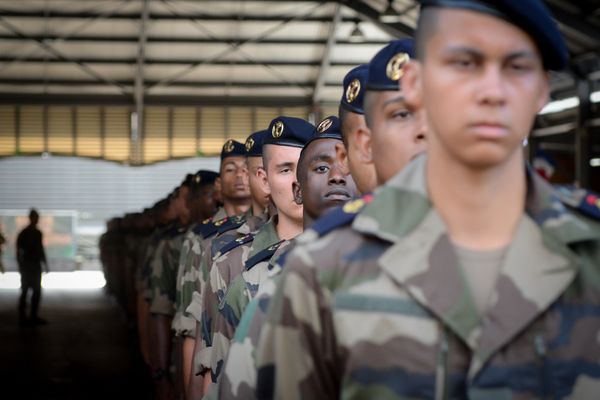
point(264, 182)
point(364, 150)
point(411, 84)
point(297, 193)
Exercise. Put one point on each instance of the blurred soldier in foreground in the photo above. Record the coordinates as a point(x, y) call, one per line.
point(464, 276)
point(30, 257)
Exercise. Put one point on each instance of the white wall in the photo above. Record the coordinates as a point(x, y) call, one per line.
point(96, 189)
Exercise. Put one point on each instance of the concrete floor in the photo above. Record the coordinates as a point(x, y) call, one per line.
point(85, 352)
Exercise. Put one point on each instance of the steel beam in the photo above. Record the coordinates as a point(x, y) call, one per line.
point(322, 73)
point(189, 39)
point(15, 98)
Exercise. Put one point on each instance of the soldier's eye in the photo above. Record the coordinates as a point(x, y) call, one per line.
point(322, 169)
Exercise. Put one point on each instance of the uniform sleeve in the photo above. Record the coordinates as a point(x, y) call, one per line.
point(238, 377)
point(227, 318)
point(162, 283)
point(296, 351)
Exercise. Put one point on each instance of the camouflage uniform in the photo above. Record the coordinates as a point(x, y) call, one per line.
point(242, 289)
point(164, 271)
point(187, 273)
point(145, 272)
point(209, 250)
point(380, 308)
point(228, 264)
point(238, 376)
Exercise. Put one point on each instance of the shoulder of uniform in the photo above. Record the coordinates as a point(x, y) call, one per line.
point(582, 200)
point(231, 223)
point(210, 228)
point(341, 216)
point(262, 255)
point(236, 243)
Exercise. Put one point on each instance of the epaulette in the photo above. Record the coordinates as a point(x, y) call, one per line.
point(211, 228)
point(199, 227)
point(262, 255)
point(231, 223)
point(585, 201)
point(341, 216)
point(236, 243)
point(177, 231)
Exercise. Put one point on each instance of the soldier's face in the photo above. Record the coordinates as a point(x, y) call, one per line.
point(481, 88)
point(281, 173)
point(358, 156)
point(202, 203)
point(234, 178)
point(397, 132)
point(326, 184)
point(260, 192)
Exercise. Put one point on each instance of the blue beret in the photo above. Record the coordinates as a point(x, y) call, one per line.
point(187, 181)
point(203, 177)
point(329, 128)
point(385, 69)
point(233, 148)
point(254, 143)
point(531, 16)
point(289, 131)
point(355, 83)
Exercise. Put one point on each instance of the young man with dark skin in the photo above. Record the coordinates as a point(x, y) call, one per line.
point(232, 229)
point(163, 291)
point(233, 189)
point(281, 150)
point(465, 276)
point(323, 184)
point(201, 201)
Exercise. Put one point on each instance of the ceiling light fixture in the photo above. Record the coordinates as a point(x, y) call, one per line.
point(357, 35)
point(390, 15)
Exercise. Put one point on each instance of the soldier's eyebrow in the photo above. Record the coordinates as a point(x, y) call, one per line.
point(397, 99)
point(321, 157)
point(285, 164)
point(480, 55)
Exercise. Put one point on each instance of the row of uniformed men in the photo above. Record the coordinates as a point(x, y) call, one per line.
point(460, 274)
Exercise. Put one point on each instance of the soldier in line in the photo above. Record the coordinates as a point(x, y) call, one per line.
point(281, 150)
point(322, 184)
point(201, 201)
point(162, 290)
point(354, 129)
point(398, 127)
point(161, 219)
point(31, 258)
point(233, 188)
point(464, 276)
point(395, 133)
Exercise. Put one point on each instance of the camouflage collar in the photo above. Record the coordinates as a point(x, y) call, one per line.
point(265, 237)
point(409, 189)
point(539, 265)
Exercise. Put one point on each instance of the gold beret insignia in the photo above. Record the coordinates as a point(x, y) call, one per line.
point(277, 129)
point(395, 67)
point(228, 147)
point(249, 144)
point(324, 125)
point(352, 90)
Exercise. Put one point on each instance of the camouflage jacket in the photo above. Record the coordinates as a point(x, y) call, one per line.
point(145, 272)
point(164, 271)
point(381, 309)
point(237, 379)
point(242, 289)
point(187, 271)
point(228, 264)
